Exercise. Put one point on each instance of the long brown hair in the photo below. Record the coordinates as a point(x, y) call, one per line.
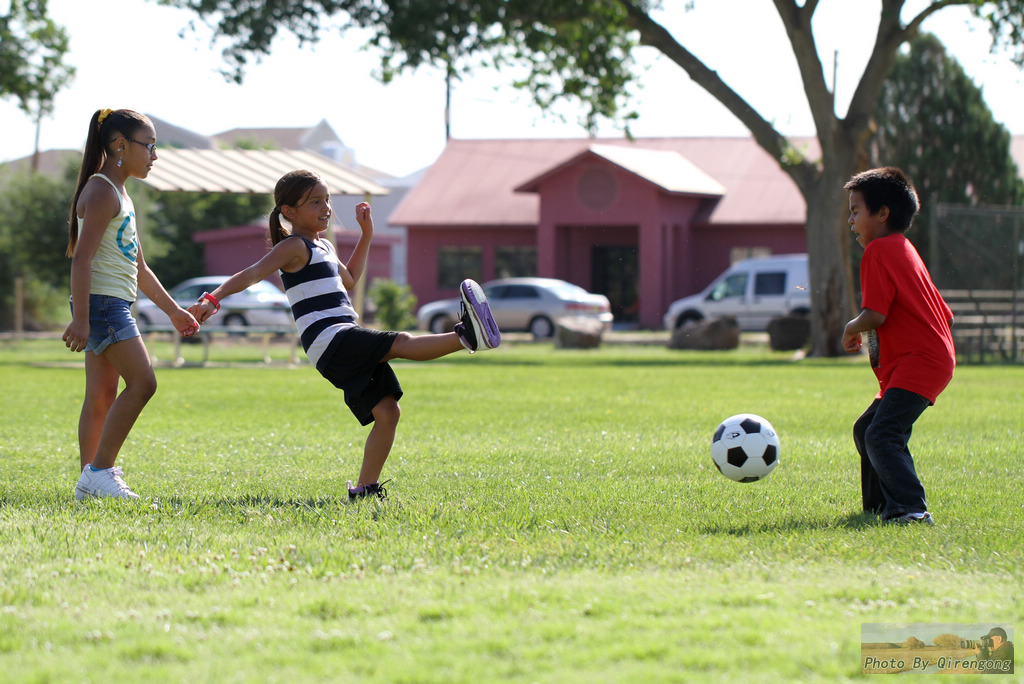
point(105, 127)
point(289, 191)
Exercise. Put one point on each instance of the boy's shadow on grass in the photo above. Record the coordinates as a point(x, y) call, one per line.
point(851, 521)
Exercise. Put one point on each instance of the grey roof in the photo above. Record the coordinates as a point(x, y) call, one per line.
point(249, 171)
point(169, 135)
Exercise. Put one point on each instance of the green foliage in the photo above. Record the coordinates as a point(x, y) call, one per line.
point(554, 519)
point(933, 123)
point(32, 50)
point(33, 236)
point(395, 304)
point(176, 216)
point(579, 51)
point(1006, 24)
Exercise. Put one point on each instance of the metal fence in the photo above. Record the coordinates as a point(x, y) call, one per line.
point(976, 258)
point(976, 248)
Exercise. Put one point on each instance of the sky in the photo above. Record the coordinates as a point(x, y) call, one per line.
point(131, 54)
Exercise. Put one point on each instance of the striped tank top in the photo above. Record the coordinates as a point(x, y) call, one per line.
point(320, 304)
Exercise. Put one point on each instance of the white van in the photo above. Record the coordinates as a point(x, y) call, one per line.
point(752, 291)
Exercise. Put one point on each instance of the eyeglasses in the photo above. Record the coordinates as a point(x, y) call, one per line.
point(149, 146)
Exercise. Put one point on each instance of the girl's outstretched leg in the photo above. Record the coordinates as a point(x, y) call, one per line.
point(475, 330)
point(423, 347)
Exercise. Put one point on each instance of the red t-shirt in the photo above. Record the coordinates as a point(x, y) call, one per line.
point(914, 348)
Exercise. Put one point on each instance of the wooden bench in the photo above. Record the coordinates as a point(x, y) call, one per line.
point(205, 336)
point(987, 324)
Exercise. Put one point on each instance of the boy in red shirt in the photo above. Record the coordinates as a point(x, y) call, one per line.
point(909, 342)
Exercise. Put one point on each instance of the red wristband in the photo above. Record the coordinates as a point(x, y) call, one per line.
point(210, 298)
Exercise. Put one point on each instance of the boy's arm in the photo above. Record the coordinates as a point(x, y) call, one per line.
point(865, 321)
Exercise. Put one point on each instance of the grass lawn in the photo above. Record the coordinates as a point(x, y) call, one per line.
point(554, 517)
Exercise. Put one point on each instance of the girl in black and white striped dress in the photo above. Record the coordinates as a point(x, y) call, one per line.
point(354, 358)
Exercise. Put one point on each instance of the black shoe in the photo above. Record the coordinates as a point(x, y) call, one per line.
point(911, 518)
point(464, 329)
point(373, 489)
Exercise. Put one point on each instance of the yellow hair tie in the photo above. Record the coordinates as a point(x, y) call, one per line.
point(104, 113)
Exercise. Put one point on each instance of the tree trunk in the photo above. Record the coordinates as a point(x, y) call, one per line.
point(828, 249)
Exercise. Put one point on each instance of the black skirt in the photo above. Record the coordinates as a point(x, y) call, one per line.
point(353, 364)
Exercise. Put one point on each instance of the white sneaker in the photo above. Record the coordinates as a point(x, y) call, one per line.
point(103, 483)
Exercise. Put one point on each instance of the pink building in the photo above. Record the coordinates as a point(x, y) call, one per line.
point(644, 222)
point(229, 250)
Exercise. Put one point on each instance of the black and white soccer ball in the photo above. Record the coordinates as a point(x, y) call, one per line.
point(745, 448)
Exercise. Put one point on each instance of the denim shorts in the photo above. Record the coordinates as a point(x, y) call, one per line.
point(110, 320)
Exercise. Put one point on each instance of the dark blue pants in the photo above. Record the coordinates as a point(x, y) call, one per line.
point(889, 483)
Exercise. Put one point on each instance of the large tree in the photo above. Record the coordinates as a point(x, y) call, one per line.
point(933, 122)
point(580, 49)
point(32, 68)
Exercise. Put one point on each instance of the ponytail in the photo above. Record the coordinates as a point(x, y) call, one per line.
point(277, 231)
point(290, 191)
point(105, 126)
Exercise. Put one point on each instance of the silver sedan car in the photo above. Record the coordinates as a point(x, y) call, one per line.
point(262, 304)
point(523, 304)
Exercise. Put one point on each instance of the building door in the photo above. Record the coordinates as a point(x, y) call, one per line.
point(615, 271)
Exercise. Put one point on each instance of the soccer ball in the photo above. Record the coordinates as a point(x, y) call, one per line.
point(745, 448)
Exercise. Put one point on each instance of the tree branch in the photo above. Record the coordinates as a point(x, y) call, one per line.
point(891, 34)
point(653, 34)
point(797, 22)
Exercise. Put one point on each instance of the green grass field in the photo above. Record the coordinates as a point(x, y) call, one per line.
point(554, 517)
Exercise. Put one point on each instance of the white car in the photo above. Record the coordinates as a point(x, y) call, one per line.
point(753, 291)
point(262, 304)
point(529, 304)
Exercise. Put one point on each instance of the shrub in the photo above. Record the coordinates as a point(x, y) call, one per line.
point(395, 304)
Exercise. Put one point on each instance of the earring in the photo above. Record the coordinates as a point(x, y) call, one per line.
point(119, 161)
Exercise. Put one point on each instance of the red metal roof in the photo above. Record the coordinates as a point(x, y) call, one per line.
point(665, 169)
point(474, 181)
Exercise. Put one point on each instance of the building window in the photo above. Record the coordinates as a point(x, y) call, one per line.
point(512, 262)
point(741, 253)
point(455, 264)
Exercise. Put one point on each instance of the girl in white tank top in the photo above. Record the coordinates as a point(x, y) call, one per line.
point(107, 270)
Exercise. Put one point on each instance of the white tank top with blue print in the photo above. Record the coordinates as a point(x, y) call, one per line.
point(115, 266)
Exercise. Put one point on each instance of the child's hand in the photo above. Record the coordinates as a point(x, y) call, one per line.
point(199, 311)
point(202, 310)
point(185, 323)
point(363, 217)
point(852, 342)
point(76, 336)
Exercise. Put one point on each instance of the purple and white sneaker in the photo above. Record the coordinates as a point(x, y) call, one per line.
point(476, 329)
